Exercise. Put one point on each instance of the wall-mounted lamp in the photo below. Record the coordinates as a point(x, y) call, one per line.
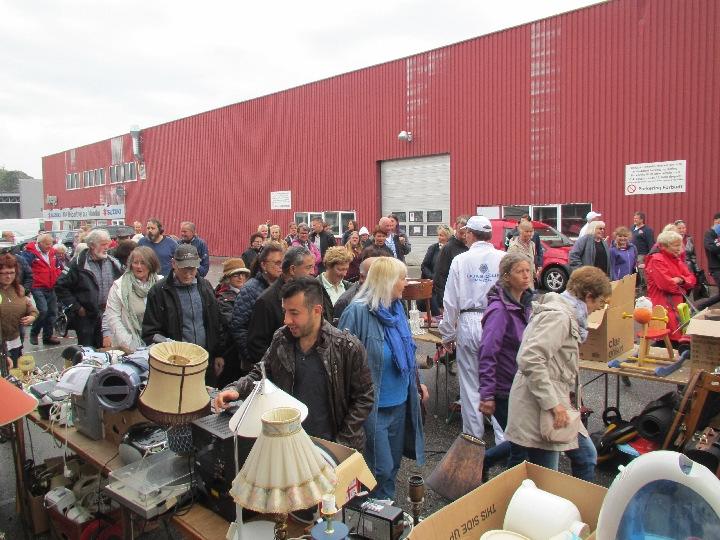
point(136, 142)
point(405, 136)
point(51, 200)
point(120, 193)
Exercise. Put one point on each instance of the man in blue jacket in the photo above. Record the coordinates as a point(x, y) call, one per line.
point(188, 236)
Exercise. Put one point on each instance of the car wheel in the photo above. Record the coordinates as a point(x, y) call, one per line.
point(554, 279)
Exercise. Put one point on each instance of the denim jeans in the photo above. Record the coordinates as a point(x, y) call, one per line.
point(46, 303)
point(583, 459)
point(384, 448)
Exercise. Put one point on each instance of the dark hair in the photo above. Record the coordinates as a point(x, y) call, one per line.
point(294, 257)
point(589, 280)
point(253, 236)
point(309, 286)
point(526, 217)
point(372, 251)
point(641, 215)
point(379, 230)
point(355, 224)
point(482, 236)
point(157, 223)
point(124, 248)
point(269, 249)
point(316, 218)
point(10, 261)
point(717, 215)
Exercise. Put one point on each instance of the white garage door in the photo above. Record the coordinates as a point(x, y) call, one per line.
point(417, 190)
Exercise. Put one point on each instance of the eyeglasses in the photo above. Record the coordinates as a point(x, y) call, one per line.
point(7, 273)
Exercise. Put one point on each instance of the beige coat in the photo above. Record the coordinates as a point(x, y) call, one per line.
point(547, 371)
point(523, 249)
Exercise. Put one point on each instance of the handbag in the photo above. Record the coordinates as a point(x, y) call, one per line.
point(564, 435)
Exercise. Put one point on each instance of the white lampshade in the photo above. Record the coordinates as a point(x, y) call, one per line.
point(175, 391)
point(267, 398)
point(284, 471)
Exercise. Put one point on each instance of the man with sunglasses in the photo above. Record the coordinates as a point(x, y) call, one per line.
point(591, 250)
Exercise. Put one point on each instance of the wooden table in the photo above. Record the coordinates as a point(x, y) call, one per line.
point(432, 336)
point(198, 522)
point(681, 376)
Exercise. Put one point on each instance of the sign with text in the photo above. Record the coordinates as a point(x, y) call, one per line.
point(658, 177)
point(104, 211)
point(280, 200)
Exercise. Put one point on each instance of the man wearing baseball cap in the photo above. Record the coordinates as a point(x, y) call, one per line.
point(591, 216)
point(182, 307)
point(472, 274)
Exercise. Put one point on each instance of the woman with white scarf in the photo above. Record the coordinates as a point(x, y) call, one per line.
point(539, 424)
point(122, 321)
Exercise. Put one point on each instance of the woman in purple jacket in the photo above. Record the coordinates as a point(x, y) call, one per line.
point(504, 321)
point(623, 254)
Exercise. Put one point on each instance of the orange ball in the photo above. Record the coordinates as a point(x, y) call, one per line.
point(642, 315)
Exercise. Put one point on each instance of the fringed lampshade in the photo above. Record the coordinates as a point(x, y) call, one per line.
point(175, 392)
point(284, 471)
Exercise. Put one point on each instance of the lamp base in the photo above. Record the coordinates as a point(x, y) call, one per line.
point(337, 531)
point(255, 530)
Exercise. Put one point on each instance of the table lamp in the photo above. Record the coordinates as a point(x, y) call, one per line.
point(175, 394)
point(284, 471)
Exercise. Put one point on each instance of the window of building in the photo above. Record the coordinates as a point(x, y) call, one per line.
point(336, 219)
point(568, 219)
point(100, 177)
point(86, 179)
point(130, 172)
point(76, 180)
point(68, 181)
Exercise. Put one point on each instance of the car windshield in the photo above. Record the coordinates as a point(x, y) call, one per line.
point(553, 237)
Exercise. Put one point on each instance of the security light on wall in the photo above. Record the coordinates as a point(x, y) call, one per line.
point(405, 136)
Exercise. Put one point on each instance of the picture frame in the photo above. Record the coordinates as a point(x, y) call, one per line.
point(416, 216)
point(431, 230)
point(435, 216)
point(417, 230)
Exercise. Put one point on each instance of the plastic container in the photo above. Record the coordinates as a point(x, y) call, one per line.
point(540, 515)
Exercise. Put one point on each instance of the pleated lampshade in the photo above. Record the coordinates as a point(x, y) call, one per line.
point(284, 471)
point(175, 391)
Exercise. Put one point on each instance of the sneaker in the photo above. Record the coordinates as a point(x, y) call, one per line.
point(33, 340)
point(52, 340)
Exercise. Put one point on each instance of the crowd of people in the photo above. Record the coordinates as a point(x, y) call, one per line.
point(326, 321)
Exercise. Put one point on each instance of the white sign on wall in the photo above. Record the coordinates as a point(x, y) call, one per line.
point(280, 200)
point(658, 177)
point(109, 211)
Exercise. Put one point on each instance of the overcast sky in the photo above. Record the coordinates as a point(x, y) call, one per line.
point(73, 72)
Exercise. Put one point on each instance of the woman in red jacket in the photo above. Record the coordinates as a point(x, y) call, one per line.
point(668, 277)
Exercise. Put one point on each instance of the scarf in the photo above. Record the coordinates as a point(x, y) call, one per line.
point(398, 336)
point(581, 313)
point(139, 289)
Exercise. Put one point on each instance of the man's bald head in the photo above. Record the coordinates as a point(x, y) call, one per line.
point(386, 224)
point(365, 267)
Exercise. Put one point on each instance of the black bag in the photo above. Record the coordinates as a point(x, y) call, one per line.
point(702, 287)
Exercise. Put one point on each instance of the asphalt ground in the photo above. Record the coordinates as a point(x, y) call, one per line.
point(439, 431)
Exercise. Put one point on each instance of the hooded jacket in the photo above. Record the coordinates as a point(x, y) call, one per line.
point(351, 390)
point(547, 371)
point(44, 274)
point(503, 325)
point(660, 267)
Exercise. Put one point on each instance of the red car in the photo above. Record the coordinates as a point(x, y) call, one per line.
point(556, 246)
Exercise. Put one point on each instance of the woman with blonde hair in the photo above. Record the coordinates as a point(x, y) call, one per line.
point(623, 254)
point(275, 236)
point(394, 427)
point(126, 301)
point(354, 248)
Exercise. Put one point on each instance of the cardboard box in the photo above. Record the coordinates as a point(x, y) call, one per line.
point(705, 345)
point(483, 509)
point(351, 472)
point(610, 335)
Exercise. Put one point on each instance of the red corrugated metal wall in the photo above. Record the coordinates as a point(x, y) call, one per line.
point(546, 112)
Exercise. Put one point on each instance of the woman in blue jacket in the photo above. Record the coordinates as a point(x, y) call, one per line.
point(394, 427)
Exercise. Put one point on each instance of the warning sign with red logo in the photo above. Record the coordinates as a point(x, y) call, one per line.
point(652, 178)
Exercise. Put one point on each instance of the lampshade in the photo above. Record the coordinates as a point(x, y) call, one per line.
point(14, 403)
point(284, 471)
point(267, 398)
point(175, 391)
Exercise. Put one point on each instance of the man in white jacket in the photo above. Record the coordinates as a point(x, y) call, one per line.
point(472, 275)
